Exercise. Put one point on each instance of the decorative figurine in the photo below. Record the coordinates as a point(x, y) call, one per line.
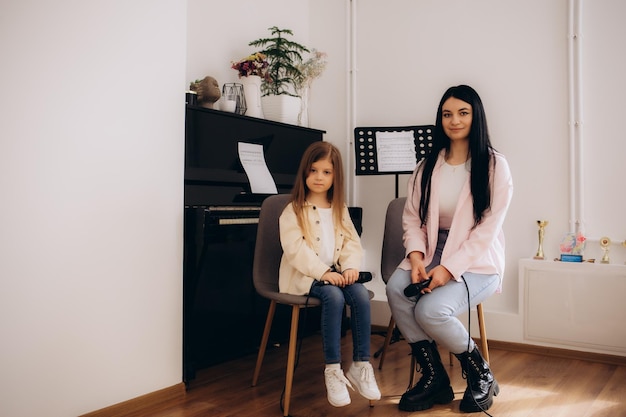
point(208, 91)
point(605, 244)
point(542, 225)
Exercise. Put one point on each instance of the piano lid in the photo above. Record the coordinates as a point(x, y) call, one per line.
point(213, 173)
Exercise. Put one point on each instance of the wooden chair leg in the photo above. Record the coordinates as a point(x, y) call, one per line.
point(411, 372)
point(392, 324)
point(483, 332)
point(291, 357)
point(264, 339)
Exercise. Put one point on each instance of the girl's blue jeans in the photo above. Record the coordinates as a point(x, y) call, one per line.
point(333, 300)
point(434, 315)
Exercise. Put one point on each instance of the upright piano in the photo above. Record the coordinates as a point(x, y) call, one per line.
point(223, 317)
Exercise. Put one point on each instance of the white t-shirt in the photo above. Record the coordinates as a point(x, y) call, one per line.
point(453, 178)
point(328, 235)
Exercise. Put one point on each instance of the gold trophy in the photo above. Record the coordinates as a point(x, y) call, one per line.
point(605, 244)
point(542, 230)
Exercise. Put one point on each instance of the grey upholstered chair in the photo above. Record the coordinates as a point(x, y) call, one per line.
point(392, 254)
point(267, 254)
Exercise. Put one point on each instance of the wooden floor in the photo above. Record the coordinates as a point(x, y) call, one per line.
point(530, 385)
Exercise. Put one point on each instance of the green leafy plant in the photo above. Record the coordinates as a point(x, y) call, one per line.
point(284, 57)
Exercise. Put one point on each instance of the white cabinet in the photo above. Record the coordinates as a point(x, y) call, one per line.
point(574, 305)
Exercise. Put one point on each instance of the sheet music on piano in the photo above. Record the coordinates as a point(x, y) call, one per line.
point(253, 162)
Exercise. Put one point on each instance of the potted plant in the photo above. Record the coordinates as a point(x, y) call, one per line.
point(281, 101)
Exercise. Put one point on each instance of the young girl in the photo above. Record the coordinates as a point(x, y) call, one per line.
point(322, 256)
point(457, 200)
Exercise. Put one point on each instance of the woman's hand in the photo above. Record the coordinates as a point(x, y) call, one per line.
point(418, 270)
point(439, 277)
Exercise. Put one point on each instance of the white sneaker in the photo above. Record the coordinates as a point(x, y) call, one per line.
point(362, 376)
point(336, 387)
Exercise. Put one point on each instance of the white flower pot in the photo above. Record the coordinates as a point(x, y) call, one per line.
point(281, 108)
point(252, 93)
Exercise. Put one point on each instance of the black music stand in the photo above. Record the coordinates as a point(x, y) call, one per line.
point(384, 150)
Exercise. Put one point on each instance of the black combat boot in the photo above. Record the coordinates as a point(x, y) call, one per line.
point(434, 385)
point(481, 385)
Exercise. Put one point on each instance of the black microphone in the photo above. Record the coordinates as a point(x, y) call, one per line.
point(415, 289)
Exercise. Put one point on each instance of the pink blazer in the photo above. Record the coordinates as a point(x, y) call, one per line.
point(480, 250)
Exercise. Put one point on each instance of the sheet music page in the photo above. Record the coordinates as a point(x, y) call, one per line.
point(253, 161)
point(396, 151)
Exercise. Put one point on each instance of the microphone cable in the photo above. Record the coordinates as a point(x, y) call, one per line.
point(469, 336)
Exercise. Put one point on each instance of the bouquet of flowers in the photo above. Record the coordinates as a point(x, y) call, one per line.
point(255, 64)
point(310, 69)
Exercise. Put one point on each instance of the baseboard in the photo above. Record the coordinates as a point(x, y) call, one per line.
point(557, 352)
point(144, 402)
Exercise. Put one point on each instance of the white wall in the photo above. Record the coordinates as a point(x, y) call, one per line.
point(91, 178)
point(604, 147)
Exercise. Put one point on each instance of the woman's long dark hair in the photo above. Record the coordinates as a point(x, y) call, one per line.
point(480, 152)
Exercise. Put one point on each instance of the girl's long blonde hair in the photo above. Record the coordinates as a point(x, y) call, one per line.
point(336, 193)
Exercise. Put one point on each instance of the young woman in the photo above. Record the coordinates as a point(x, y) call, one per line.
point(457, 200)
point(322, 257)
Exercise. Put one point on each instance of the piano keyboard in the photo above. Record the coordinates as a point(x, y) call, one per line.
point(238, 220)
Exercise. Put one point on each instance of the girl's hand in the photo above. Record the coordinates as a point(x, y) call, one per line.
point(440, 277)
point(350, 276)
point(334, 278)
